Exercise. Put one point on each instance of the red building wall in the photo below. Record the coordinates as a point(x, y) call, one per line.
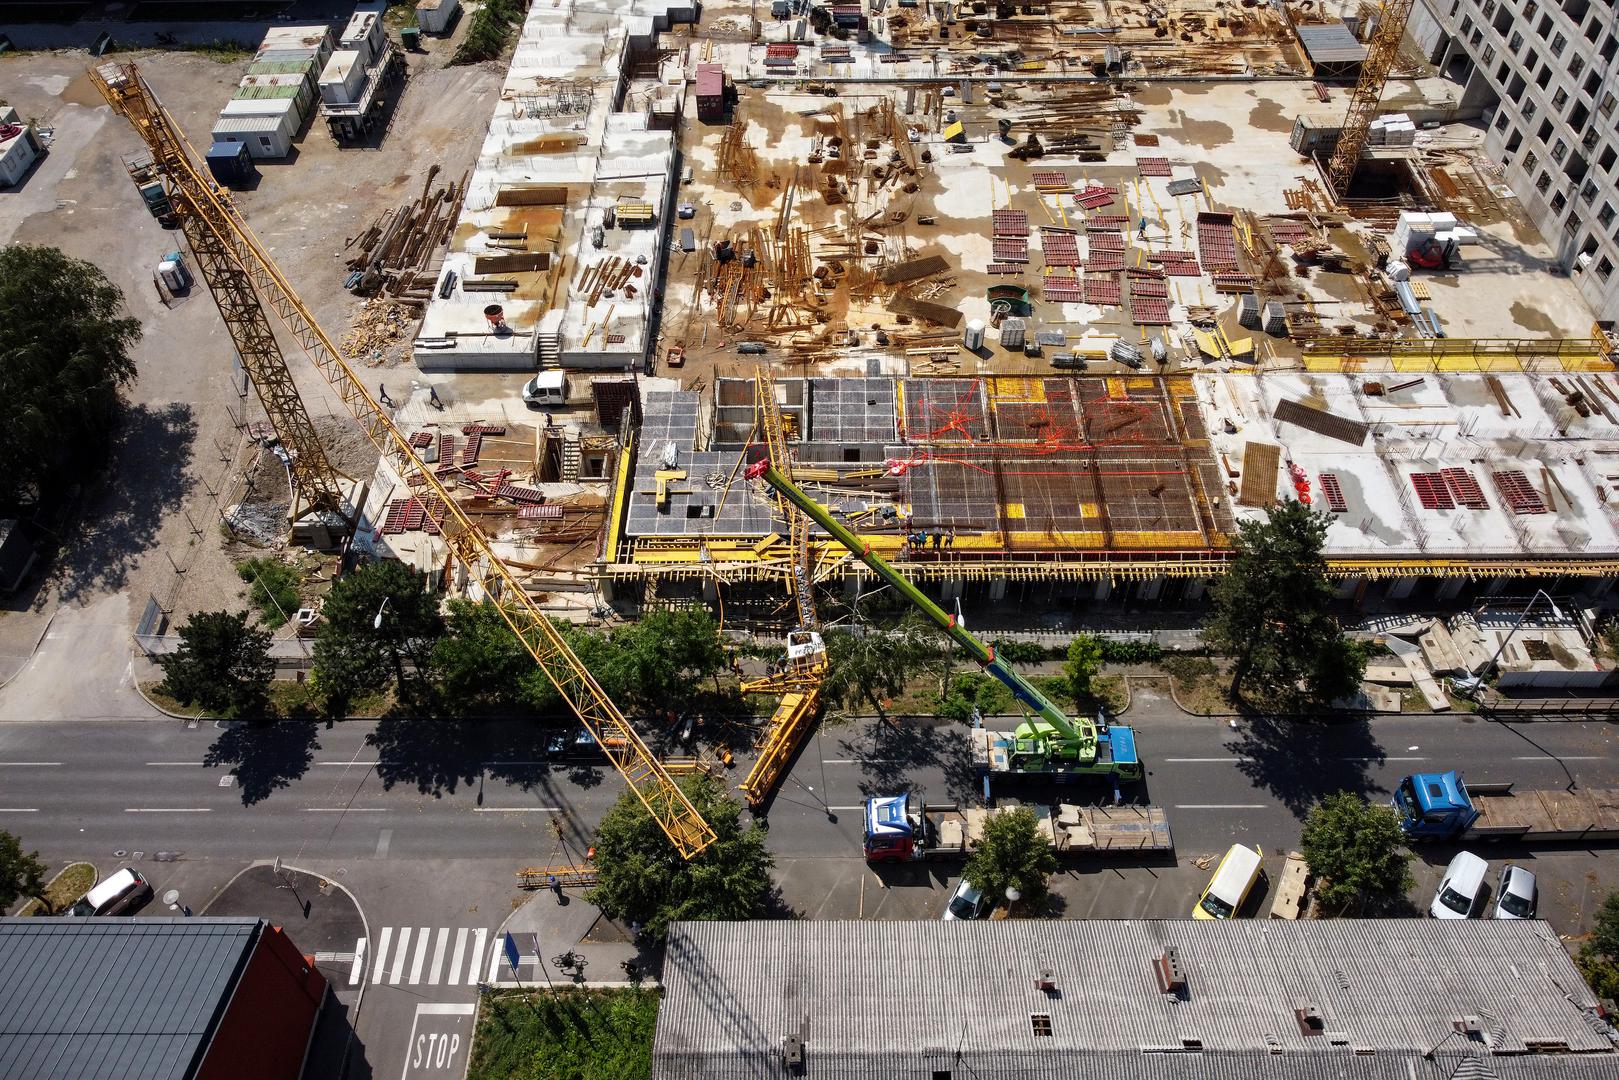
point(267, 1024)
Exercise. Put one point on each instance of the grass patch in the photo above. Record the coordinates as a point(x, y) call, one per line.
point(400, 14)
point(576, 1035)
point(288, 700)
point(489, 32)
point(224, 52)
point(1198, 682)
point(64, 889)
point(272, 585)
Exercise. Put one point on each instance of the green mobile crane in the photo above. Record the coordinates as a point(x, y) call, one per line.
point(1049, 741)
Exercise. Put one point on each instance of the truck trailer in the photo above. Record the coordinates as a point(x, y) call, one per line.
point(903, 828)
point(1442, 806)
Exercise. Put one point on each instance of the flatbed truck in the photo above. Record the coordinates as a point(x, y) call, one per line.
point(904, 828)
point(1049, 742)
point(1443, 806)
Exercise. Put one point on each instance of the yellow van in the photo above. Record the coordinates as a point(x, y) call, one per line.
point(1233, 880)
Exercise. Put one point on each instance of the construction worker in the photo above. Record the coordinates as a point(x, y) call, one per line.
point(382, 396)
point(433, 398)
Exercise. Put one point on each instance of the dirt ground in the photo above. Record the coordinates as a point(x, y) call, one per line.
point(153, 529)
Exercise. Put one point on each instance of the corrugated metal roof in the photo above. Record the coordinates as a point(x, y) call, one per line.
point(1331, 43)
point(281, 67)
point(110, 999)
point(879, 998)
point(247, 125)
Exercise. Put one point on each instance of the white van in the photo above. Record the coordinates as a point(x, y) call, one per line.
point(1233, 880)
point(546, 388)
point(119, 894)
point(1459, 890)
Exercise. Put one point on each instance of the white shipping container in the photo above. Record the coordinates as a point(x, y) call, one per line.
point(343, 78)
point(434, 16)
point(264, 136)
point(364, 35)
point(318, 38)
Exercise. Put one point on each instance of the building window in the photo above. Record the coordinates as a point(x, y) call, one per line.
point(1516, 42)
point(1545, 132)
point(1467, 25)
point(1530, 160)
point(1560, 98)
point(1589, 191)
point(1514, 141)
point(1544, 79)
point(1543, 183)
point(1559, 150)
point(1593, 83)
point(1575, 66)
point(1489, 8)
point(1607, 104)
point(1604, 268)
point(1605, 215)
point(1559, 201)
point(1530, 8)
point(1607, 158)
point(1041, 1023)
point(1489, 56)
point(1529, 110)
point(1501, 120)
point(1559, 43)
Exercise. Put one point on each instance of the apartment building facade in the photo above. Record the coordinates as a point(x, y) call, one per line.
point(1545, 76)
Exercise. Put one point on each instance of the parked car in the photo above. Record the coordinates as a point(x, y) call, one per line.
point(1459, 890)
point(967, 902)
point(546, 388)
point(1517, 895)
point(119, 894)
point(576, 744)
point(1239, 871)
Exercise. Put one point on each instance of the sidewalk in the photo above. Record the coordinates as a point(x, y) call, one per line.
point(324, 921)
point(545, 929)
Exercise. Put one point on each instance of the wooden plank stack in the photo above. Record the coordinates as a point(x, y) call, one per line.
point(399, 252)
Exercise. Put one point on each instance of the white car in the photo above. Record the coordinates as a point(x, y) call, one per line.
point(1517, 895)
point(967, 902)
point(1459, 889)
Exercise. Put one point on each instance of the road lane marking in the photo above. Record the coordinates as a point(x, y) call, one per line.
point(168, 810)
point(541, 762)
point(846, 808)
point(517, 809)
point(480, 939)
point(193, 764)
point(1559, 757)
point(378, 961)
point(438, 954)
point(385, 837)
point(421, 955)
point(27, 764)
point(347, 763)
point(19, 810)
point(496, 955)
point(1202, 760)
point(345, 809)
point(455, 957)
point(359, 962)
point(858, 761)
point(1221, 806)
point(400, 956)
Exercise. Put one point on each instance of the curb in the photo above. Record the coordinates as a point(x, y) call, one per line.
point(33, 651)
point(76, 862)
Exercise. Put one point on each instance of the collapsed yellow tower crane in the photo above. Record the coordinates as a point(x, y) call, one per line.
point(232, 262)
point(799, 680)
point(1381, 51)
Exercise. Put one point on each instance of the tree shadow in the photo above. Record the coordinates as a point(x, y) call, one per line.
point(437, 756)
point(888, 750)
point(115, 522)
point(1300, 759)
point(265, 756)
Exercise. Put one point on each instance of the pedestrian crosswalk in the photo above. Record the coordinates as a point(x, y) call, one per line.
point(428, 956)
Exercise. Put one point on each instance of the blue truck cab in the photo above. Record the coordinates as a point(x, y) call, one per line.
point(891, 832)
point(1434, 806)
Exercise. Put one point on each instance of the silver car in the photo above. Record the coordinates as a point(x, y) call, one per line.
point(1517, 895)
point(967, 902)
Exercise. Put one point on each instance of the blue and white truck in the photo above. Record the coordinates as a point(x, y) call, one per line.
point(1443, 806)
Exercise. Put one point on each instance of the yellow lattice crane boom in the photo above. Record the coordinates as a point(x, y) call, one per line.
point(799, 680)
point(214, 218)
point(1374, 72)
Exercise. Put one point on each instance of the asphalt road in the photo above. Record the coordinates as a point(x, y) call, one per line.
point(439, 790)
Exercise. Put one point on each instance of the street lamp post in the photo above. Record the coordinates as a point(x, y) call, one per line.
point(376, 623)
point(1468, 685)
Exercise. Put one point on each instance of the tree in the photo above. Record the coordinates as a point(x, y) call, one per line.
point(273, 588)
point(1598, 959)
point(479, 663)
point(877, 664)
point(21, 874)
point(1012, 855)
point(222, 664)
point(1083, 663)
point(1270, 610)
point(641, 877)
point(660, 657)
point(1357, 853)
point(378, 618)
point(63, 360)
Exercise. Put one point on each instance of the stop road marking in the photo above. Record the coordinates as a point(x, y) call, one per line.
point(439, 1036)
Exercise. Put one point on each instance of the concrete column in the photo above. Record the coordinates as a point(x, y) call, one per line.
point(1104, 589)
point(1450, 588)
point(1196, 587)
point(950, 591)
point(1401, 588)
point(1151, 588)
point(1496, 587)
point(997, 590)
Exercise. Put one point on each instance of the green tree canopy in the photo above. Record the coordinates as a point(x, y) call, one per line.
point(222, 664)
point(479, 664)
point(355, 652)
point(1357, 854)
point(651, 665)
point(1271, 611)
point(641, 877)
point(1012, 854)
point(21, 874)
point(875, 664)
point(63, 359)
point(1083, 663)
point(1598, 958)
